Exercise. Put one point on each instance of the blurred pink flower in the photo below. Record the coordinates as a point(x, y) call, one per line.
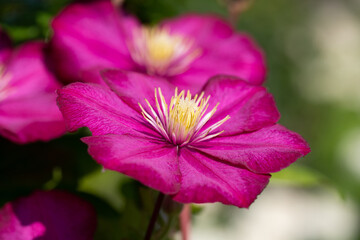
point(28, 110)
point(186, 50)
point(47, 215)
point(185, 146)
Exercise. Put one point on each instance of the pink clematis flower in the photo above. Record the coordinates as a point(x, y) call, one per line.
point(47, 215)
point(28, 110)
point(217, 145)
point(186, 50)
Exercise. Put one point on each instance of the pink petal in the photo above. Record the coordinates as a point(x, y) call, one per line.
point(206, 180)
point(267, 150)
point(206, 30)
point(153, 163)
point(31, 118)
point(28, 72)
point(134, 88)
point(5, 46)
point(223, 51)
point(99, 109)
point(93, 75)
point(90, 35)
point(249, 107)
point(29, 112)
point(47, 215)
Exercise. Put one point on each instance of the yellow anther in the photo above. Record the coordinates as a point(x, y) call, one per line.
point(162, 52)
point(182, 120)
point(160, 45)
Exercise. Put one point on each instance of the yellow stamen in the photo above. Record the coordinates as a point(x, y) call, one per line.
point(162, 52)
point(181, 121)
point(160, 45)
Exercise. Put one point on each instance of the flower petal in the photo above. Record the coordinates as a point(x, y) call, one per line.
point(47, 215)
point(90, 35)
point(267, 150)
point(153, 163)
point(134, 88)
point(27, 70)
point(223, 51)
point(249, 107)
point(205, 180)
point(28, 112)
point(30, 119)
point(99, 109)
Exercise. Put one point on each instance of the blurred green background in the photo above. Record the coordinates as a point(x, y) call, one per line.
point(313, 54)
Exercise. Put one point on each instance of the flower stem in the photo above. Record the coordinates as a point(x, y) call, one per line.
point(236, 8)
point(185, 221)
point(154, 216)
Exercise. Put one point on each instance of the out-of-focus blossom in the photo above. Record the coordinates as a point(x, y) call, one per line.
point(47, 215)
point(28, 110)
point(186, 50)
point(194, 148)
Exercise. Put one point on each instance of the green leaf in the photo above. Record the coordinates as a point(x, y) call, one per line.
point(299, 175)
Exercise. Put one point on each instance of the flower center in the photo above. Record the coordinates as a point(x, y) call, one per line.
point(4, 82)
point(161, 52)
point(182, 121)
point(160, 45)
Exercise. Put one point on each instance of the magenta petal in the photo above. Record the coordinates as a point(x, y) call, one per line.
point(32, 118)
point(153, 163)
point(28, 72)
point(28, 112)
point(93, 75)
point(47, 215)
point(90, 35)
point(267, 150)
point(205, 180)
point(223, 51)
point(98, 108)
point(134, 88)
point(207, 30)
point(249, 107)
